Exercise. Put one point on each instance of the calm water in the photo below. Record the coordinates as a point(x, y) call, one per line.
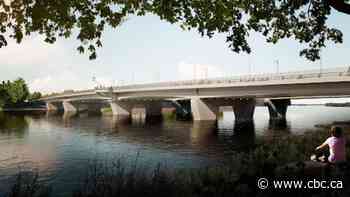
point(60, 148)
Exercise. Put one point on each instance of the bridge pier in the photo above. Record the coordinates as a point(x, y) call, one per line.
point(69, 107)
point(80, 107)
point(124, 109)
point(153, 110)
point(277, 108)
point(120, 108)
point(203, 110)
point(51, 107)
point(243, 109)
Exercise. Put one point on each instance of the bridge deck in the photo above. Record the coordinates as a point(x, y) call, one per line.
point(326, 76)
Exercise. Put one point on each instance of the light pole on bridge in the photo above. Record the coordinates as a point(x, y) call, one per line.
point(321, 64)
point(95, 81)
point(277, 62)
point(249, 65)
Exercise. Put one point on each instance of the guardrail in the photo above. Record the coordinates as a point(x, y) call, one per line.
point(326, 73)
point(67, 93)
point(299, 75)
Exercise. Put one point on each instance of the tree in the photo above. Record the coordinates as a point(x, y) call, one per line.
point(17, 91)
point(302, 20)
point(34, 96)
point(4, 95)
point(12, 93)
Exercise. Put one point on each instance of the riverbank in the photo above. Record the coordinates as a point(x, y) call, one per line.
point(25, 107)
point(337, 104)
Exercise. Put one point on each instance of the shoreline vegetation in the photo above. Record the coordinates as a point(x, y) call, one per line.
point(15, 96)
point(270, 158)
point(347, 104)
point(107, 111)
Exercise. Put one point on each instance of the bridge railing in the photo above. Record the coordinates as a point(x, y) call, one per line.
point(299, 75)
point(324, 73)
point(67, 93)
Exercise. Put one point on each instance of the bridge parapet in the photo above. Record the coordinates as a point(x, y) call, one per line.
point(308, 76)
point(273, 77)
point(67, 93)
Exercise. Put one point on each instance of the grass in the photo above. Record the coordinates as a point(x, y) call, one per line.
point(169, 115)
point(238, 177)
point(107, 111)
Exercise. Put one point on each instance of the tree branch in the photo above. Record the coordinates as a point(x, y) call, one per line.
point(340, 5)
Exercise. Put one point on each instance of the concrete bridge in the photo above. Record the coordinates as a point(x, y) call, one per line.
point(76, 101)
point(202, 98)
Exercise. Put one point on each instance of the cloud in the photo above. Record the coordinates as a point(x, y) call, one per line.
point(67, 80)
point(189, 71)
point(103, 81)
point(58, 82)
point(32, 51)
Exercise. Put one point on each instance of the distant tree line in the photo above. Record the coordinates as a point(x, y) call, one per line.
point(16, 92)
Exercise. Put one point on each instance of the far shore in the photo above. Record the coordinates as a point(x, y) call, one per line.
point(338, 104)
point(22, 109)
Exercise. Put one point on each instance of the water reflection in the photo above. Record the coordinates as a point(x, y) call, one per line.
point(278, 127)
point(52, 113)
point(244, 135)
point(138, 119)
point(68, 118)
point(23, 146)
point(278, 124)
point(13, 123)
point(61, 144)
point(203, 132)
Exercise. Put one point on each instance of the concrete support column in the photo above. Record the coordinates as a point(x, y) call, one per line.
point(203, 110)
point(68, 107)
point(153, 110)
point(244, 109)
point(277, 108)
point(51, 107)
point(120, 108)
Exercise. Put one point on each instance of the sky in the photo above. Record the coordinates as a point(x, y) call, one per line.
point(145, 49)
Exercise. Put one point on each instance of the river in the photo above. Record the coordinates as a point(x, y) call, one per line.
point(60, 148)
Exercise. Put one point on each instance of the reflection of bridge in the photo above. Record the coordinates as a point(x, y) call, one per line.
point(204, 97)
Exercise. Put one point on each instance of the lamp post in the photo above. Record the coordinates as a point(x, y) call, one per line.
point(194, 72)
point(249, 65)
point(95, 81)
point(321, 65)
point(206, 71)
point(277, 62)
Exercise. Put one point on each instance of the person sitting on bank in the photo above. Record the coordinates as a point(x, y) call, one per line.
point(336, 144)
